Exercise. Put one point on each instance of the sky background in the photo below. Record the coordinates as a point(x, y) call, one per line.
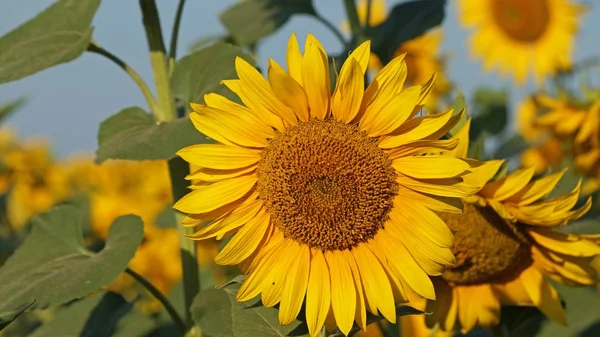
point(66, 103)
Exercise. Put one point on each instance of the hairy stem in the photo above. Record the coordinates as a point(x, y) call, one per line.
point(175, 35)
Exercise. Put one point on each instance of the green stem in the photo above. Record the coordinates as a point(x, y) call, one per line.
point(175, 35)
point(178, 169)
point(95, 48)
point(355, 27)
point(158, 59)
point(368, 16)
point(332, 28)
point(159, 296)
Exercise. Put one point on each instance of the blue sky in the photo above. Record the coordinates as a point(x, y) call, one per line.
point(66, 103)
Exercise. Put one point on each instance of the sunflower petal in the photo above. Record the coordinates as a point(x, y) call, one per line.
point(217, 156)
point(294, 59)
point(543, 295)
point(349, 91)
point(430, 167)
point(318, 293)
point(245, 241)
point(295, 284)
point(209, 197)
point(288, 90)
point(343, 294)
point(315, 78)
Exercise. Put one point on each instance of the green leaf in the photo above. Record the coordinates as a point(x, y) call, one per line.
point(7, 317)
point(57, 35)
point(69, 320)
point(511, 147)
point(406, 21)
point(134, 134)
point(53, 267)
point(9, 108)
point(249, 21)
point(522, 321)
point(201, 72)
point(218, 314)
point(477, 147)
point(103, 320)
point(490, 111)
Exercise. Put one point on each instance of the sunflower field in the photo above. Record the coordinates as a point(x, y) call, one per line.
point(366, 168)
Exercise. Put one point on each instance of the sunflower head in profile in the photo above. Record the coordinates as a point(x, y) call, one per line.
point(521, 37)
point(507, 248)
point(319, 190)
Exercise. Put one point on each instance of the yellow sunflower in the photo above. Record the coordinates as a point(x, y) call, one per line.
point(421, 57)
point(522, 36)
point(507, 247)
point(321, 190)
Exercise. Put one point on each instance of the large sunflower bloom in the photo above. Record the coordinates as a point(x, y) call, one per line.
point(507, 248)
point(322, 190)
point(522, 36)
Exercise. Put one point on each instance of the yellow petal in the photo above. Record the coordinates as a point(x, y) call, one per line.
point(343, 294)
point(394, 114)
point(245, 241)
point(360, 314)
point(212, 175)
point(434, 203)
point(568, 244)
point(537, 189)
point(448, 187)
point(385, 85)
point(362, 54)
point(482, 174)
point(266, 116)
point(318, 299)
point(415, 129)
point(349, 91)
point(315, 78)
point(217, 156)
point(296, 281)
point(405, 266)
point(288, 90)
point(228, 128)
point(463, 136)
point(230, 221)
point(375, 282)
point(259, 276)
point(294, 59)
point(543, 295)
point(506, 187)
point(430, 167)
point(209, 197)
point(257, 91)
point(422, 147)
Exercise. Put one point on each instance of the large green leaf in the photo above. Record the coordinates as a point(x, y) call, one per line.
point(218, 314)
point(8, 316)
point(9, 108)
point(69, 321)
point(250, 20)
point(53, 267)
point(202, 71)
point(133, 134)
point(490, 111)
point(59, 34)
point(406, 21)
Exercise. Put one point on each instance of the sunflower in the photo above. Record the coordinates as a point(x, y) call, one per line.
point(522, 36)
point(320, 190)
point(421, 57)
point(547, 155)
point(507, 247)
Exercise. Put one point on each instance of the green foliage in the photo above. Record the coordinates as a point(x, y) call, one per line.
point(9, 108)
point(7, 317)
point(57, 35)
point(218, 314)
point(103, 320)
point(69, 320)
point(53, 267)
point(202, 72)
point(492, 111)
point(406, 21)
point(512, 146)
point(250, 20)
point(459, 104)
point(522, 321)
point(134, 134)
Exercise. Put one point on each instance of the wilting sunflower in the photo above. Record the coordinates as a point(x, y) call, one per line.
point(422, 54)
point(522, 36)
point(507, 247)
point(322, 190)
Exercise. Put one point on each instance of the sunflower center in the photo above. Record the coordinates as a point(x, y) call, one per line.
point(488, 249)
point(326, 184)
point(522, 20)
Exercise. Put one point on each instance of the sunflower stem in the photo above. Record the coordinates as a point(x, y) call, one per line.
point(355, 26)
point(158, 59)
point(161, 298)
point(178, 168)
point(94, 47)
point(175, 35)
